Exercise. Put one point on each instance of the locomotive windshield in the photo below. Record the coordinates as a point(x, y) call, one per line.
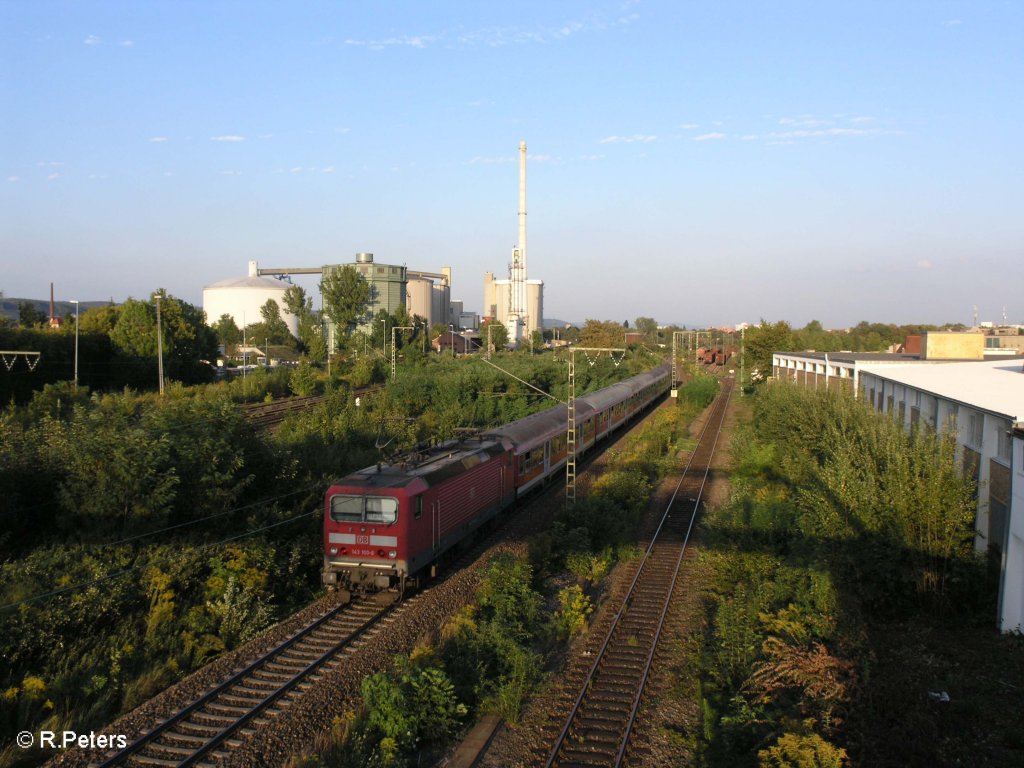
point(381, 510)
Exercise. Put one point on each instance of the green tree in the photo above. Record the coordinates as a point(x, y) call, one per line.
point(498, 334)
point(296, 301)
point(648, 326)
point(28, 315)
point(228, 333)
point(765, 339)
point(275, 328)
point(302, 381)
point(188, 342)
point(134, 334)
point(602, 333)
point(346, 295)
point(99, 319)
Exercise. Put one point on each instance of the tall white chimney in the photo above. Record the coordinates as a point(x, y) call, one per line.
point(522, 214)
point(517, 269)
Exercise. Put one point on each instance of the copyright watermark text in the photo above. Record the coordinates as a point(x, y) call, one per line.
point(69, 739)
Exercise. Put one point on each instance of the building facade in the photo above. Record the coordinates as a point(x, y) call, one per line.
point(980, 404)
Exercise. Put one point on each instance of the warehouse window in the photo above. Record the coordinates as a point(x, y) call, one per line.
point(975, 429)
point(1004, 443)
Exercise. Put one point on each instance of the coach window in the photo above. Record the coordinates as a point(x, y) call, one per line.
point(419, 507)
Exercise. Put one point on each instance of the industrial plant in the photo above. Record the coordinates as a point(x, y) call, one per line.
point(516, 302)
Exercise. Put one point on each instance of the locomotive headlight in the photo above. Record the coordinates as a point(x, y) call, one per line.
point(334, 550)
point(392, 554)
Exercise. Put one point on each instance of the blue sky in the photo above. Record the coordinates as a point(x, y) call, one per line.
point(695, 162)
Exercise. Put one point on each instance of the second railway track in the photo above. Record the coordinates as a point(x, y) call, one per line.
point(597, 730)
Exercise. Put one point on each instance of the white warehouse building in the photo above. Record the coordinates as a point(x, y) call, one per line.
point(242, 298)
point(983, 402)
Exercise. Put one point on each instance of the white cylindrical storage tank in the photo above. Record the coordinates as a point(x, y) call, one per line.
point(501, 300)
point(419, 293)
point(242, 298)
point(441, 302)
point(535, 305)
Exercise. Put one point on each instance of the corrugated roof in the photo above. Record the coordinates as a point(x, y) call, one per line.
point(997, 387)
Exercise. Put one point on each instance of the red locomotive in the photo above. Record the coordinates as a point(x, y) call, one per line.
point(386, 524)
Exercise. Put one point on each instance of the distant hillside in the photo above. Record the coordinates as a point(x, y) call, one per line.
point(552, 323)
point(9, 307)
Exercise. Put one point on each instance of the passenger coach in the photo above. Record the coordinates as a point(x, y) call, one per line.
point(386, 524)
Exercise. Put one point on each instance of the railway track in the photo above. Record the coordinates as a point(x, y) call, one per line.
point(598, 728)
point(205, 731)
point(270, 415)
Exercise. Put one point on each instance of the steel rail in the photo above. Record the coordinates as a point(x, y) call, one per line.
point(719, 411)
point(165, 726)
point(675, 576)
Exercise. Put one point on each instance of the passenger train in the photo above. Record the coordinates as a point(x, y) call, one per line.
point(389, 523)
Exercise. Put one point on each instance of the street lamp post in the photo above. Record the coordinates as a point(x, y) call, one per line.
point(452, 329)
point(75, 302)
point(159, 345)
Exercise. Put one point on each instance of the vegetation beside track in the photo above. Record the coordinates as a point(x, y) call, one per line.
point(492, 655)
point(842, 590)
point(143, 536)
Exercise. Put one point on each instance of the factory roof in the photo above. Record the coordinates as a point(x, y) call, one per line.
point(855, 357)
point(250, 282)
point(997, 387)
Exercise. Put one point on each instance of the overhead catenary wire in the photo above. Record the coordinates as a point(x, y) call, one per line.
point(523, 381)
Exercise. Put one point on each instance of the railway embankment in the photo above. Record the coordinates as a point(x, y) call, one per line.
point(845, 613)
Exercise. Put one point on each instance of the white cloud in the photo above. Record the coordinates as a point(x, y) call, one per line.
point(635, 138)
point(127, 43)
point(227, 138)
point(952, 23)
point(265, 136)
point(688, 126)
point(805, 121)
point(12, 178)
point(51, 163)
point(328, 169)
point(805, 134)
point(296, 169)
point(230, 173)
point(709, 137)
point(748, 137)
point(158, 139)
point(862, 119)
point(53, 176)
point(91, 40)
point(494, 37)
point(408, 41)
point(924, 264)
